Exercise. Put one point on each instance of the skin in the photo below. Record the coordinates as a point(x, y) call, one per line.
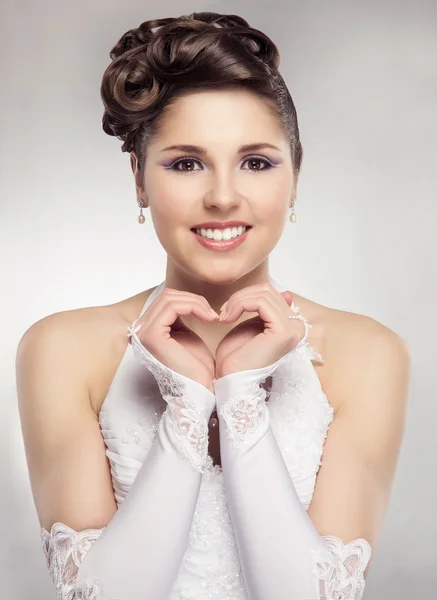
point(221, 185)
point(370, 398)
point(366, 369)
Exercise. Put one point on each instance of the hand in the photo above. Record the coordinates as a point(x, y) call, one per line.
point(163, 333)
point(262, 340)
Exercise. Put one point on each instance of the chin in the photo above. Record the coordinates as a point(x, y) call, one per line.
point(222, 275)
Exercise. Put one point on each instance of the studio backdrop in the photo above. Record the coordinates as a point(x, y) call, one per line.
point(363, 79)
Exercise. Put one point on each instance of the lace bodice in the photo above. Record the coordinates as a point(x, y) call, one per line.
point(298, 412)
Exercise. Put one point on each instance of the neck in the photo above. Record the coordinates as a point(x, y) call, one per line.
point(216, 288)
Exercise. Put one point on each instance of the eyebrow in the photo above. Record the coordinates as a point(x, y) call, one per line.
point(202, 151)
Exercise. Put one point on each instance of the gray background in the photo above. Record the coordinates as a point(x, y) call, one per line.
point(363, 78)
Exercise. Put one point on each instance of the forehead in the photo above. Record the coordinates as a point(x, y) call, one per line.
point(219, 116)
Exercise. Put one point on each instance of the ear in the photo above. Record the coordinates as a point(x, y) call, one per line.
point(293, 193)
point(138, 177)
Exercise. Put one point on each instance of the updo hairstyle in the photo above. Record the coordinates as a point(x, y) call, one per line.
point(164, 59)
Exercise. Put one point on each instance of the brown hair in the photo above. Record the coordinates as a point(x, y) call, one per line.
point(201, 51)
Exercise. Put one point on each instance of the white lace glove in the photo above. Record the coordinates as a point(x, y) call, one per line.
point(138, 554)
point(281, 552)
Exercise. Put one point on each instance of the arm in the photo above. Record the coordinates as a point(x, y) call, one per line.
point(93, 550)
point(284, 551)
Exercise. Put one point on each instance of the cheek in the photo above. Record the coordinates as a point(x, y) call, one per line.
point(170, 214)
point(270, 196)
point(271, 209)
point(171, 200)
point(165, 206)
point(169, 209)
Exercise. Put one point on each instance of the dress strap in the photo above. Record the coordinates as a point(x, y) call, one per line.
point(305, 322)
point(134, 327)
point(313, 354)
point(295, 309)
point(152, 297)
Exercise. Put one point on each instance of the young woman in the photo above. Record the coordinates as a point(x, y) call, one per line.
point(175, 448)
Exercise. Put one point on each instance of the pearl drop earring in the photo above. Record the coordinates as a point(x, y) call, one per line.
point(293, 216)
point(141, 217)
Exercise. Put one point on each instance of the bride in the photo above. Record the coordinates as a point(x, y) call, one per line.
point(217, 435)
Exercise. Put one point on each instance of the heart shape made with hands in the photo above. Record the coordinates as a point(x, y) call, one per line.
point(261, 340)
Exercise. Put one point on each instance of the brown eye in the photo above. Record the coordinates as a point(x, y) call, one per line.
point(255, 160)
point(184, 161)
point(187, 162)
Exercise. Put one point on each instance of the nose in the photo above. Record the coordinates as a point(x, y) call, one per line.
point(222, 193)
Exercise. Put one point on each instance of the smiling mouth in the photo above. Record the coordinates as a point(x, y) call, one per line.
point(212, 239)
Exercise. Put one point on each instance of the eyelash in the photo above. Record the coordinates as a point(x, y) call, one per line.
point(182, 159)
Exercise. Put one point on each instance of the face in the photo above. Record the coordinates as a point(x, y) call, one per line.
point(217, 182)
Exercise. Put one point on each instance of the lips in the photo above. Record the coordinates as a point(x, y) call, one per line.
point(193, 229)
point(222, 245)
point(220, 224)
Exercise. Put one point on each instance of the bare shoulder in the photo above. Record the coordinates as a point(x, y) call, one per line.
point(92, 340)
point(63, 365)
point(354, 346)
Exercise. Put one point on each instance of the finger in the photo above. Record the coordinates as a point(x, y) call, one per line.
point(250, 292)
point(267, 309)
point(189, 296)
point(288, 296)
point(179, 325)
point(161, 327)
point(173, 309)
point(257, 289)
point(170, 295)
point(170, 309)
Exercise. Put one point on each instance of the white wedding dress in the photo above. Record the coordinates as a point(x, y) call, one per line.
point(187, 529)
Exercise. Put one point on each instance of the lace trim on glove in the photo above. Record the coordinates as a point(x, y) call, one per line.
point(191, 430)
point(243, 414)
point(342, 577)
point(65, 549)
point(190, 427)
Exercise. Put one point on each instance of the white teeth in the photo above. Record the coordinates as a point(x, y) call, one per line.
point(221, 234)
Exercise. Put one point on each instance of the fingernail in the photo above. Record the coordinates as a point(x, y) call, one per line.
point(214, 314)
